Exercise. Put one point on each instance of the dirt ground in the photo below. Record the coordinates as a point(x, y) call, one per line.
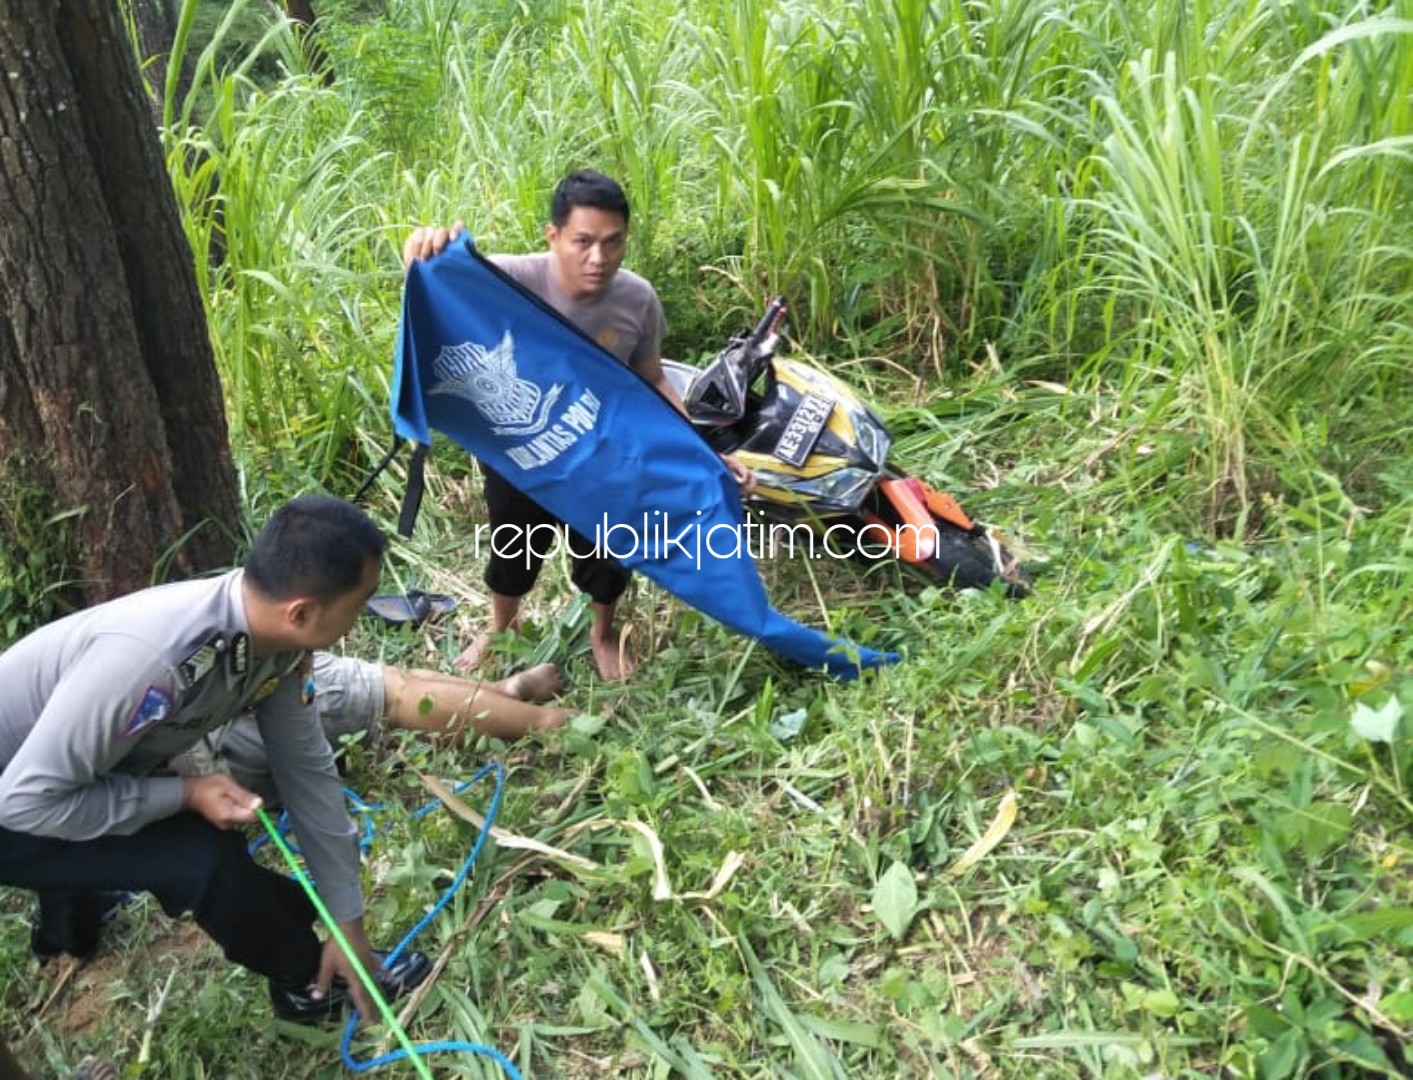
point(72, 997)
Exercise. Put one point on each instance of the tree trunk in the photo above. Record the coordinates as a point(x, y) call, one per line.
point(155, 23)
point(107, 379)
point(301, 14)
point(154, 30)
point(300, 11)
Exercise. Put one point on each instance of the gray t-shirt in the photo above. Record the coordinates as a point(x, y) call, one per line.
point(626, 318)
point(94, 702)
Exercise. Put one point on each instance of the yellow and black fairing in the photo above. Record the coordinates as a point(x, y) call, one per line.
point(819, 455)
point(814, 447)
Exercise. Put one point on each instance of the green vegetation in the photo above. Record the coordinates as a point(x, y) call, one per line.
point(1135, 280)
point(38, 552)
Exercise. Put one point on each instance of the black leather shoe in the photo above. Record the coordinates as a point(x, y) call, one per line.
point(404, 974)
point(70, 923)
point(90, 1068)
point(298, 1004)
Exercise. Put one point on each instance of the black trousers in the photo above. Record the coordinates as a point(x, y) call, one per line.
point(516, 556)
point(261, 919)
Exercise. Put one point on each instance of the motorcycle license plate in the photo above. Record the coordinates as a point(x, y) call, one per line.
point(802, 429)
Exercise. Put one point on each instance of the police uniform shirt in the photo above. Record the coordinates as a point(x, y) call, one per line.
point(93, 702)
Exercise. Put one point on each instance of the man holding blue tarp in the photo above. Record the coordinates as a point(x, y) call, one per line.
point(509, 378)
point(580, 276)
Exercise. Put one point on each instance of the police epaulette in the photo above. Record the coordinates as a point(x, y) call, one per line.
point(201, 661)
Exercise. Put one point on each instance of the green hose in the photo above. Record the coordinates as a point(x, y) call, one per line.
point(369, 983)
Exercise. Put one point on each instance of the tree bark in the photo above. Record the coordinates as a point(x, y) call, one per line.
point(300, 11)
point(107, 379)
point(156, 24)
point(301, 14)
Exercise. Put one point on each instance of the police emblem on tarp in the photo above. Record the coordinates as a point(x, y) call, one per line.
point(609, 455)
point(487, 378)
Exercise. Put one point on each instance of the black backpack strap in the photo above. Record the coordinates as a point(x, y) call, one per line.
point(367, 484)
point(416, 484)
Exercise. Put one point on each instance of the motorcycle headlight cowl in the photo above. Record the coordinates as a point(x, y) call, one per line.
point(873, 438)
point(840, 491)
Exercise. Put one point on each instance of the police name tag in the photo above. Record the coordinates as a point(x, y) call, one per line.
point(802, 430)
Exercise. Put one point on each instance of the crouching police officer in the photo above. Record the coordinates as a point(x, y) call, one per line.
point(97, 700)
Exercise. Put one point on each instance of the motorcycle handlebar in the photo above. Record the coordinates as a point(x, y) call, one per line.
point(718, 395)
point(775, 313)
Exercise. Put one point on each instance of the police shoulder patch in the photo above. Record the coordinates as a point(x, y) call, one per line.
point(307, 689)
point(156, 705)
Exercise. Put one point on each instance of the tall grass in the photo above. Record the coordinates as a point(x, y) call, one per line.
point(1244, 247)
point(1207, 198)
point(1197, 214)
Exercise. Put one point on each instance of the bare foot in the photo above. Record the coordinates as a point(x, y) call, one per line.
point(613, 658)
point(473, 654)
point(550, 719)
point(539, 683)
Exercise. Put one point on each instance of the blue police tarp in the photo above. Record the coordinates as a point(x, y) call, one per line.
point(511, 381)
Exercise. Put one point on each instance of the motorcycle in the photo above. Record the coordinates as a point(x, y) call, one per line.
point(820, 458)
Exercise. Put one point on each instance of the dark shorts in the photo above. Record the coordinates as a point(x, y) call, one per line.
point(521, 536)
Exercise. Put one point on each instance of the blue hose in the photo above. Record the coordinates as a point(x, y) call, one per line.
point(365, 810)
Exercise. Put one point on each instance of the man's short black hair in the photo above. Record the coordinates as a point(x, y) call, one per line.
point(316, 546)
point(585, 187)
